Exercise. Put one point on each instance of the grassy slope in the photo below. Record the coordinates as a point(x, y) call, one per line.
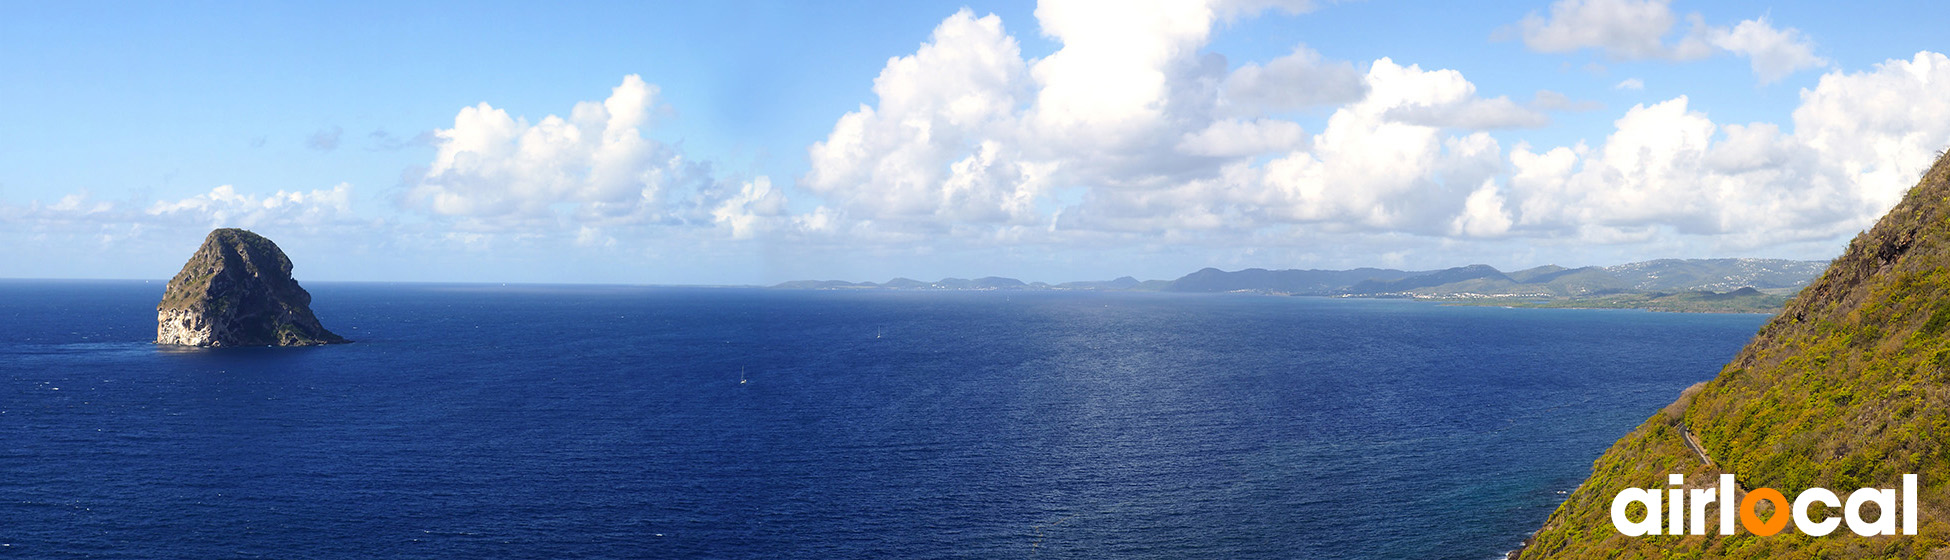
point(1846, 388)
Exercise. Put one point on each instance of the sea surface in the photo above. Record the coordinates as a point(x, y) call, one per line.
point(489, 421)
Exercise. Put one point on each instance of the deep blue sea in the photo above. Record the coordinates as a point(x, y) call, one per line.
point(476, 421)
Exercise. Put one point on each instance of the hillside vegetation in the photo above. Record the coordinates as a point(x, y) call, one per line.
point(1844, 389)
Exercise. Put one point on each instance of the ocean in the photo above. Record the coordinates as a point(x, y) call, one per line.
point(488, 421)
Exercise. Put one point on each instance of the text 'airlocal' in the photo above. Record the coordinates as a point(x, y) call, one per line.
point(1680, 519)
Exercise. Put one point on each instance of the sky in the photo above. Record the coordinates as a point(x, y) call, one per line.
point(759, 142)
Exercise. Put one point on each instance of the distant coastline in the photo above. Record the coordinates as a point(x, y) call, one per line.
point(1671, 285)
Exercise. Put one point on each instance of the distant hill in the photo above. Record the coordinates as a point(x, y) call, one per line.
point(1125, 283)
point(1484, 281)
point(1667, 275)
point(1845, 388)
point(1298, 282)
point(1475, 274)
point(1744, 300)
point(823, 285)
point(1639, 284)
point(984, 283)
point(1121, 283)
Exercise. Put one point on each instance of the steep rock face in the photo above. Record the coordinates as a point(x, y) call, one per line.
point(237, 290)
point(1846, 388)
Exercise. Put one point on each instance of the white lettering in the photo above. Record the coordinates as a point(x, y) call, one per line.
point(1649, 526)
point(1885, 523)
point(1815, 496)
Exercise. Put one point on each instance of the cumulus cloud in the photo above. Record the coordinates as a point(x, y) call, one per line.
point(1479, 114)
point(1638, 30)
point(1859, 141)
point(1622, 29)
point(1141, 129)
point(225, 206)
point(755, 208)
point(1547, 100)
point(595, 166)
point(586, 236)
point(1773, 53)
point(1881, 127)
point(80, 204)
point(1237, 138)
point(1130, 129)
point(940, 113)
point(1631, 84)
point(1128, 77)
point(1373, 169)
point(1295, 81)
point(81, 218)
point(1233, 9)
point(1484, 214)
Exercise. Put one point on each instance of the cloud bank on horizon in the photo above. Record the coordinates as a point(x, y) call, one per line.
point(1134, 135)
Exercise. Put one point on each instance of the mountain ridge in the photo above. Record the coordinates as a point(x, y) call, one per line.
point(1656, 278)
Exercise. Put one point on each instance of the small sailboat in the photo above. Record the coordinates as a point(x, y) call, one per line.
point(741, 375)
point(876, 332)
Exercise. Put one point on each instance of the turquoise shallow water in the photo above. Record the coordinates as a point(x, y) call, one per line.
point(608, 422)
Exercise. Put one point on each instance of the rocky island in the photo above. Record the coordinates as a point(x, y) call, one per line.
point(237, 290)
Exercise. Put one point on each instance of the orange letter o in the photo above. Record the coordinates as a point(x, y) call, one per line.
point(1752, 521)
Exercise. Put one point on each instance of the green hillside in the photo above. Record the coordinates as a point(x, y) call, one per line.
point(1844, 389)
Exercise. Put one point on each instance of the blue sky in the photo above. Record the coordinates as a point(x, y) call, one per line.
point(724, 142)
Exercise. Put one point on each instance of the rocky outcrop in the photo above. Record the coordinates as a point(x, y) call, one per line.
point(237, 290)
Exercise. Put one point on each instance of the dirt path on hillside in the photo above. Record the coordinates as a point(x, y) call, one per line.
point(1699, 450)
point(1692, 442)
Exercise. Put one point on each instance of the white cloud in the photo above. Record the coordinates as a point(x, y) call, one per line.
point(1475, 114)
point(586, 236)
point(1233, 9)
point(1371, 169)
point(1142, 130)
point(1237, 138)
point(224, 206)
point(1441, 98)
point(1859, 142)
point(594, 166)
point(1483, 213)
point(1773, 53)
point(1111, 85)
point(221, 206)
point(752, 210)
point(1547, 100)
point(939, 110)
point(1632, 84)
point(1295, 81)
point(81, 236)
point(1622, 29)
point(1881, 128)
point(81, 203)
point(1014, 153)
point(1637, 30)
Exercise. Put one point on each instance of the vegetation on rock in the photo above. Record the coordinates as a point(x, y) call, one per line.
point(1844, 389)
point(237, 290)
